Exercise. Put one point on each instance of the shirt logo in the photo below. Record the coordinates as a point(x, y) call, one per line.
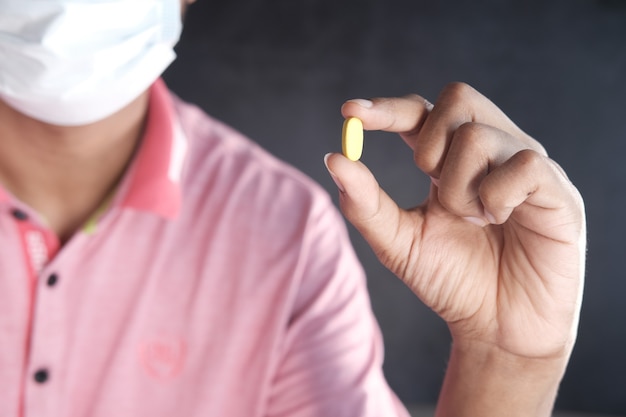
point(162, 358)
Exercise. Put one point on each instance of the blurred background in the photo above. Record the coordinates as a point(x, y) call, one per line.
point(279, 70)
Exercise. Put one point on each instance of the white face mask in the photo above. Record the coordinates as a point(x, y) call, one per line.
point(74, 62)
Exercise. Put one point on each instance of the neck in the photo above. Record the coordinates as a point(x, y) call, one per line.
point(65, 173)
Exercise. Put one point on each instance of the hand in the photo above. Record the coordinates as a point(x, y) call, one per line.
point(497, 249)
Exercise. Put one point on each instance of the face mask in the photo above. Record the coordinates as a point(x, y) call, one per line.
point(74, 62)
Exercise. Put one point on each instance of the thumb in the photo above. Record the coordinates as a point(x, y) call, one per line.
point(372, 212)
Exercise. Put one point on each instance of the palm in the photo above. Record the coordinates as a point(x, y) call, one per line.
point(495, 281)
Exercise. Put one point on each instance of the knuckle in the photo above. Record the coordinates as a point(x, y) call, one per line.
point(529, 160)
point(470, 134)
point(457, 92)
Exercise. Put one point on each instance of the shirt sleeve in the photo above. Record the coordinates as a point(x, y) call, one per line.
point(331, 360)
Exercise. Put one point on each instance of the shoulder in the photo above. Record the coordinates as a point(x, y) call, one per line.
point(285, 223)
point(225, 166)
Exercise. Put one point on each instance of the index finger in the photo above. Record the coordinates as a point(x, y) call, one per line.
point(402, 115)
point(428, 133)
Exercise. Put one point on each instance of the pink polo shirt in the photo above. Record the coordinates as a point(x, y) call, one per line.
point(217, 282)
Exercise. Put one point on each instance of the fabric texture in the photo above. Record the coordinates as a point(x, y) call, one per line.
point(218, 281)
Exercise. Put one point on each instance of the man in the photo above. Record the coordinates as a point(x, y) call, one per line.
point(157, 263)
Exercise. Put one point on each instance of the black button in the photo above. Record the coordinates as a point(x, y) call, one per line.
point(52, 280)
point(41, 376)
point(19, 214)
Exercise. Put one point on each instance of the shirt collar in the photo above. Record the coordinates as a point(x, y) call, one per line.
point(153, 181)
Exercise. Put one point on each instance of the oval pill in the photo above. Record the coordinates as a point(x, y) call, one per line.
point(352, 138)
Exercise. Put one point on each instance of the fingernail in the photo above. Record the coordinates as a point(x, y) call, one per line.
point(490, 217)
point(361, 102)
point(476, 220)
point(332, 175)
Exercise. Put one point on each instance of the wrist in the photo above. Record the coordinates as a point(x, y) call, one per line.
point(483, 380)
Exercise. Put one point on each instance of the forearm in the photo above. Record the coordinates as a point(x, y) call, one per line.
point(481, 382)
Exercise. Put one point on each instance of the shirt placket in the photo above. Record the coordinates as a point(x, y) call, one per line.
point(44, 347)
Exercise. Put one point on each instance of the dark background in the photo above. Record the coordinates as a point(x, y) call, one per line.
point(278, 70)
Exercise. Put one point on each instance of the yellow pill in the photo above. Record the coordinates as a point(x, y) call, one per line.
point(352, 138)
